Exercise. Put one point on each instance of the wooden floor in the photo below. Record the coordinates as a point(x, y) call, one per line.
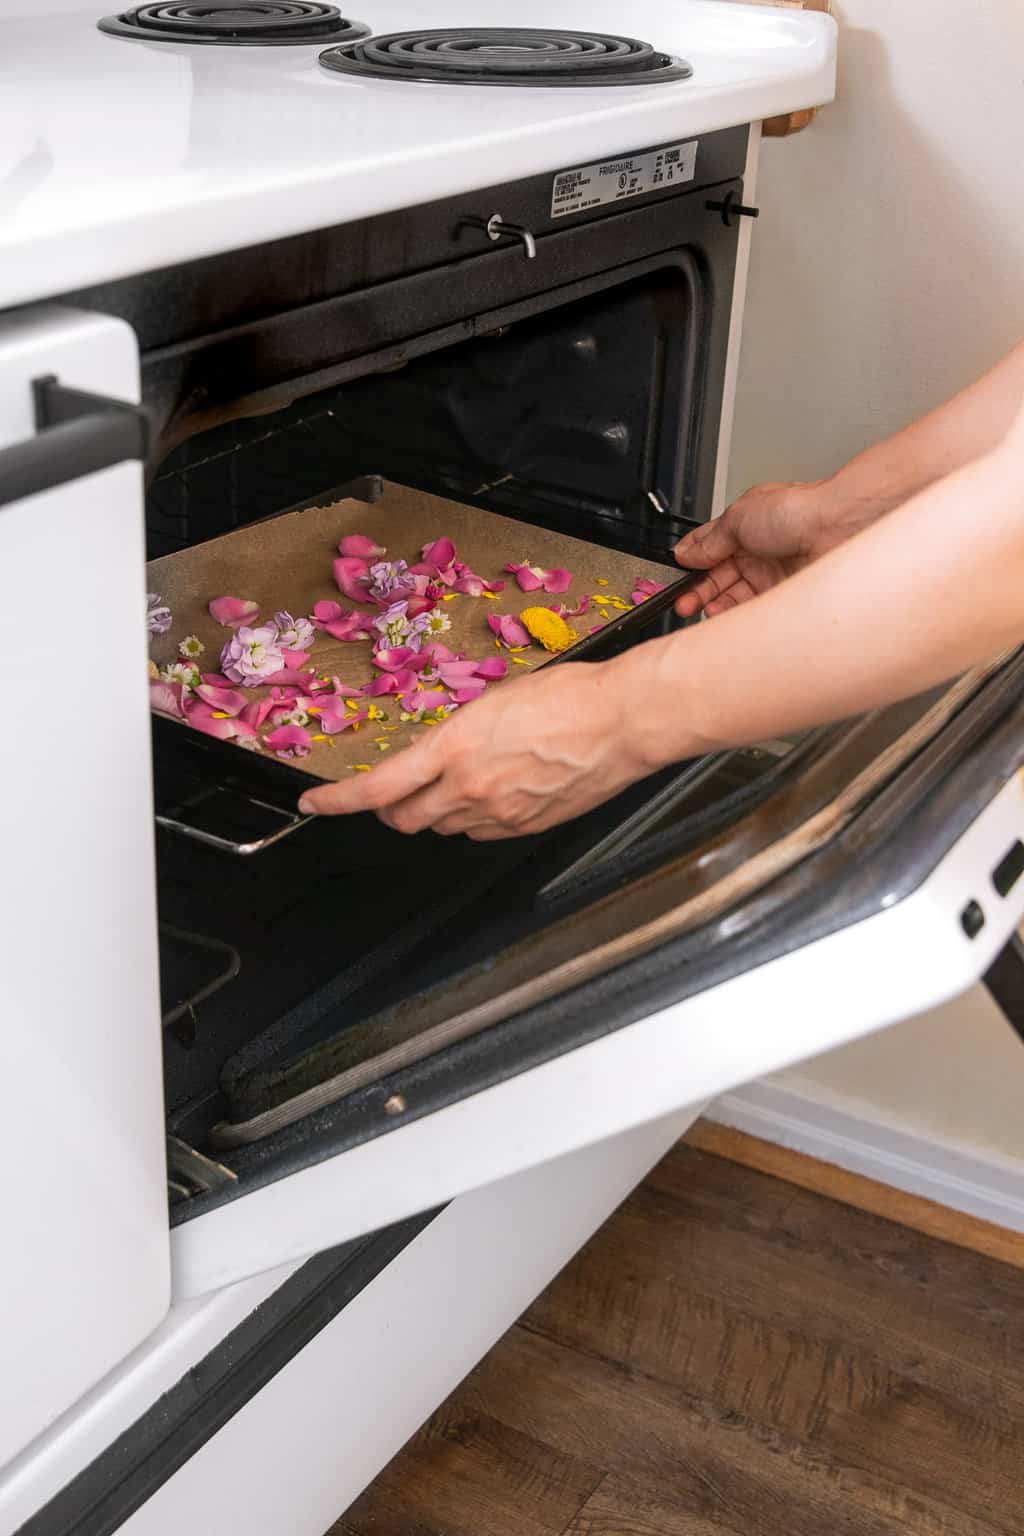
point(734, 1356)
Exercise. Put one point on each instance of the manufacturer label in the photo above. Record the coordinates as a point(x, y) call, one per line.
point(612, 181)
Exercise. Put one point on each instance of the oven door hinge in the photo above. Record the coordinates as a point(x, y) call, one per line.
point(189, 1173)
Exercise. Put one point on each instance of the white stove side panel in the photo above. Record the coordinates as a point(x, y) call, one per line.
point(85, 1269)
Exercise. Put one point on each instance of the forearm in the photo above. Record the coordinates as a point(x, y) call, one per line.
point(962, 429)
point(917, 598)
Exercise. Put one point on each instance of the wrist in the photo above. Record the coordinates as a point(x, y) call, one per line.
point(664, 719)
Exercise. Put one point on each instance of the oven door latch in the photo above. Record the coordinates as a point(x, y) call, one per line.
point(76, 434)
point(496, 228)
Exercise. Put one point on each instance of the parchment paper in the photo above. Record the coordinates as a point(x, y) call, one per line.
point(285, 563)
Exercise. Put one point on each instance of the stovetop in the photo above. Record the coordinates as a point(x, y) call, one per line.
point(120, 155)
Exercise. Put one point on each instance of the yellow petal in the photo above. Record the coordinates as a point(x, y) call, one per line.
point(220, 714)
point(602, 581)
point(321, 737)
point(449, 597)
point(519, 661)
point(383, 746)
point(360, 767)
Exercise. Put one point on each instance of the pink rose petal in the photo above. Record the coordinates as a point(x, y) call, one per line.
point(228, 700)
point(491, 667)
point(397, 658)
point(475, 586)
point(646, 588)
point(255, 714)
point(565, 612)
point(166, 699)
point(234, 611)
point(216, 679)
point(296, 658)
point(438, 555)
point(429, 698)
point(289, 741)
point(531, 578)
point(360, 546)
point(509, 630)
point(353, 578)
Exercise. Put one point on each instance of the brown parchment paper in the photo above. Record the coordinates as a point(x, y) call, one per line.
point(286, 563)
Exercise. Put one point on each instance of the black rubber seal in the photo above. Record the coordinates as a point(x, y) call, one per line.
point(121, 1479)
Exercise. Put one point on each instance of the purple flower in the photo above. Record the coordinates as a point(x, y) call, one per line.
point(158, 618)
point(389, 576)
point(251, 656)
point(394, 627)
point(293, 634)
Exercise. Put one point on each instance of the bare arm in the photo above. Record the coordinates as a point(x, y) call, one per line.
point(918, 597)
point(969, 425)
point(772, 531)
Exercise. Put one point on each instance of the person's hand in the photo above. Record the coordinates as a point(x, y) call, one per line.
point(767, 534)
point(516, 761)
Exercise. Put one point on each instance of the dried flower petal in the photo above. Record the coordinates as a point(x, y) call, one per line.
point(158, 616)
point(508, 629)
point(289, 741)
point(646, 588)
point(227, 699)
point(531, 578)
point(353, 577)
point(233, 612)
point(361, 546)
point(342, 624)
point(575, 612)
point(293, 634)
point(167, 699)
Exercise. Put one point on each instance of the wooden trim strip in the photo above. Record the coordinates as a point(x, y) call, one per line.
point(912, 1211)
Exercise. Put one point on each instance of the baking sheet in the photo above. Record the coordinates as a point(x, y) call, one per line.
point(286, 563)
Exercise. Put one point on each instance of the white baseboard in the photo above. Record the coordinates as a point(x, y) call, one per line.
point(989, 1187)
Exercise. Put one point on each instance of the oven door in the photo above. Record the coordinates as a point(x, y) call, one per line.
point(85, 1274)
point(872, 875)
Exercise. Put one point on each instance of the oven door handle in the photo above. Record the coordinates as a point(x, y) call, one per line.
point(76, 434)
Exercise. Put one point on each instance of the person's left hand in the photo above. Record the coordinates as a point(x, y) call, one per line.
point(516, 761)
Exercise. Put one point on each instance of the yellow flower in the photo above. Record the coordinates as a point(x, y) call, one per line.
point(550, 629)
point(360, 767)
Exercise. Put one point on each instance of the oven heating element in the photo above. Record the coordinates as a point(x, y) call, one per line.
point(245, 24)
point(507, 56)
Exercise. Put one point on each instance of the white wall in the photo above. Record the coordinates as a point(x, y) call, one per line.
point(887, 269)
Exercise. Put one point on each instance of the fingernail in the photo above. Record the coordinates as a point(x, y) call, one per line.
point(306, 806)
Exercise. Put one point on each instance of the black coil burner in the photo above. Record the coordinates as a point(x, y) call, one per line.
point(236, 23)
point(507, 56)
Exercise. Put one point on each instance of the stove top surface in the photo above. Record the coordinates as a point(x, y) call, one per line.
point(118, 155)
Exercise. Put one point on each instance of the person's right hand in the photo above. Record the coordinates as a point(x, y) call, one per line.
point(767, 534)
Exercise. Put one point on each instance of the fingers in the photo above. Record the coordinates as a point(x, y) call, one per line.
point(707, 591)
point(390, 782)
point(432, 806)
point(708, 546)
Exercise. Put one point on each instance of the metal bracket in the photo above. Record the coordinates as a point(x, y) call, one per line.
point(1005, 982)
point(77, 434)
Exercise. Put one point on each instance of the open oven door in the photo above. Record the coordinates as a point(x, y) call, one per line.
point(86, 1271)
point(874, 871)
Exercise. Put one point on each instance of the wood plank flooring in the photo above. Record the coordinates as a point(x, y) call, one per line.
point(732, 1355)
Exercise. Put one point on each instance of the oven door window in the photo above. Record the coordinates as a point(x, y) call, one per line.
point(735, 916)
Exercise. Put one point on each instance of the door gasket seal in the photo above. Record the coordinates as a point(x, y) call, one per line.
point(136, 1465)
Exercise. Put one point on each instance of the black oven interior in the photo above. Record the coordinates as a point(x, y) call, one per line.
point(592, 408)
